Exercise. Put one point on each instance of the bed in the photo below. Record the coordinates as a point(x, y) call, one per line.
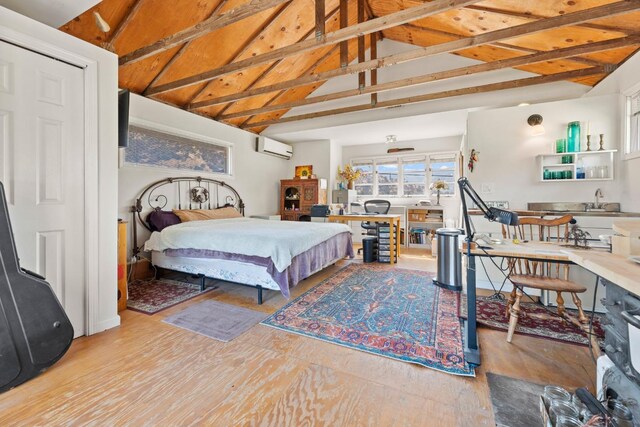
point(273, 255)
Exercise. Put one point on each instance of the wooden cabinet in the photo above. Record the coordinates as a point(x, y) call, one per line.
point(423, 222)
point(122, 265)
point(298, 195)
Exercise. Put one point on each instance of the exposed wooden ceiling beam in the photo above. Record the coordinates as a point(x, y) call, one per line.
point(320, 18)
point(373, 74)
point(481, 39)
point(344, 23)
point(309, 70)
point(245, 46)
point(398, 18)
point(448, 74)
point(133, 9)
point(182, 49)
point(503, 45)
point(528, 15)
point(253, 7)
point(361, 14)
point(512, 84)
point(264, 74)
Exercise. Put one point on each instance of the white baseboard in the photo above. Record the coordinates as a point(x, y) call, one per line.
point(107, 324)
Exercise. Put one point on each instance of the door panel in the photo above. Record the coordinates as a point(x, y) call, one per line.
point(42, 168)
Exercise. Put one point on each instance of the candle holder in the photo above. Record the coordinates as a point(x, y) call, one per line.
point(601, 142)
point(588, 142)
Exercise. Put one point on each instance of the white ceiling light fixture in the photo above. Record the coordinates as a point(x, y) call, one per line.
point(391, 139)
point(535, 121)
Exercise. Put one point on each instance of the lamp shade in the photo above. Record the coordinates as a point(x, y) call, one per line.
point(535, 121)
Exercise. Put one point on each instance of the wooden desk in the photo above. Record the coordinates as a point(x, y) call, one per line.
point(616, 269)
point(536, 251)
point(392, 220)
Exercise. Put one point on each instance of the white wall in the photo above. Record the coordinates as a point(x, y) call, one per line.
point(315, 153)
point(256, 175)
point(507, 151)
point(51, 12)
point(335, 160)
point(625, 78)
point(23, 31)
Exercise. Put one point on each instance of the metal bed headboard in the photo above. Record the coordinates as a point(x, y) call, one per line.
point(191, 192)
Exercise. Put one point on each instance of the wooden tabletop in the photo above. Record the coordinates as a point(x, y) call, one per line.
point(616, 269)
point(533, 250)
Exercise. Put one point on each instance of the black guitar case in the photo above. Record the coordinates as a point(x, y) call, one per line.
point(35, 332)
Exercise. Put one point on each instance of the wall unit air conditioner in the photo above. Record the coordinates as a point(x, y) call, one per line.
point(273, 147)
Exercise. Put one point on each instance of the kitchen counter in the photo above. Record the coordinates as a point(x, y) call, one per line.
point(574, 213)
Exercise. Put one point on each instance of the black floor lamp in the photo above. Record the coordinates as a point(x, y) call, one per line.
point(471, 351)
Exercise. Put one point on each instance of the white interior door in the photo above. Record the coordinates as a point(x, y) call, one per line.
point(42, 168)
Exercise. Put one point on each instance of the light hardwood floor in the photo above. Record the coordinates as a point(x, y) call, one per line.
point(149, 373)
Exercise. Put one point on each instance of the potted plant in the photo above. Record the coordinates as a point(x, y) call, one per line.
point(349, 174)
point(437, 187)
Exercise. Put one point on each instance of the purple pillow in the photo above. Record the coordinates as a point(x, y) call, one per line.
point(159, 220)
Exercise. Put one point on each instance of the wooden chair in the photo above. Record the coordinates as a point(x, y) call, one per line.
point(537, 274)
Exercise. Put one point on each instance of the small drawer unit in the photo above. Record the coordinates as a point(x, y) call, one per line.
point(384, 243)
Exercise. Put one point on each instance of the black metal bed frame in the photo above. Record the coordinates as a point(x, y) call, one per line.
point(198, 195)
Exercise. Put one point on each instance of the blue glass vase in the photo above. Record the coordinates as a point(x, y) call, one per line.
point(573, 137)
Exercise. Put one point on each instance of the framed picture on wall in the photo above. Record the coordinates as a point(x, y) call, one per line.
point(304, 172)
point(154, 145)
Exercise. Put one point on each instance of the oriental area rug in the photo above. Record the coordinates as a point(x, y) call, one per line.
point(391, 312)
point(536, 321)
point(152, 296)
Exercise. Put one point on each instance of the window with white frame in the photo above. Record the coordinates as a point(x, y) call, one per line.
point(443, 168)
point(632, 145)
point(405, 176)
point(414, 176)
point(387, 173)
point(364, 184)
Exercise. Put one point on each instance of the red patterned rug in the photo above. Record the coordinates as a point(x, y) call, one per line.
point(387, 311)
point(152, 296)
point(536, 321)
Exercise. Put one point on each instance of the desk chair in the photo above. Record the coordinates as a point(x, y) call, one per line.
point(548, 276)
point(374, 207)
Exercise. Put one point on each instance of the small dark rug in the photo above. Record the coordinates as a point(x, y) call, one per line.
point(152, 296)
point(216, 320)
point(387, 311)
point(535, 320)
point(516, 403)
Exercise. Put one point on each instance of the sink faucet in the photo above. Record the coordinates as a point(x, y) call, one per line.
point(598, 197)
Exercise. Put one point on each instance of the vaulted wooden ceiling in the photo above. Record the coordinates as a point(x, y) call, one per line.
point(247, 62)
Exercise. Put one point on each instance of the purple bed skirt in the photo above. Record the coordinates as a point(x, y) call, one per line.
point(302, 266)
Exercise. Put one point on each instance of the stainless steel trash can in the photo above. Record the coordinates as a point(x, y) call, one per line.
point(449, 274)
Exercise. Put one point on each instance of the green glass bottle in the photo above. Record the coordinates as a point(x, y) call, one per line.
point(573, 137)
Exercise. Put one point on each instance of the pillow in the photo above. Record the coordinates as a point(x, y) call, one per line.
point(159, 220)
point(204, 214)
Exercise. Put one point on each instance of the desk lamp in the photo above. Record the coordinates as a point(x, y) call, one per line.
point(471, 351)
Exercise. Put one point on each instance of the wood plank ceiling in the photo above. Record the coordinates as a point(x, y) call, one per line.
point(248, 62)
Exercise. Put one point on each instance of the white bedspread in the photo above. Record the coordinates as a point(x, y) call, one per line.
point(278, 240)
